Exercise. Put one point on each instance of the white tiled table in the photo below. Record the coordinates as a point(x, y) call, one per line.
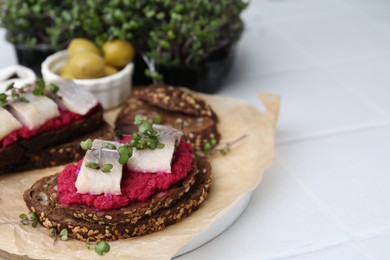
point(327, 195)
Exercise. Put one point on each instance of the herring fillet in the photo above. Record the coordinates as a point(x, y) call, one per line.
point(8, 123)
point(94, 181)
point(157, 160)
point(74, 97)
point(36, 112)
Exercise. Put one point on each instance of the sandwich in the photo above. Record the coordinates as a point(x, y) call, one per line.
point(175, 107)
point(133, 186)
point(41, 124)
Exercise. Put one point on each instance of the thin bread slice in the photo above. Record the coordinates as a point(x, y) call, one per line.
point(54, 147)
point(175, 99)
point(135, 211)
point(45, 204)
point(198, 130)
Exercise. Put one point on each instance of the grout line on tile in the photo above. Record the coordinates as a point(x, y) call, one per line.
point(356, 92)
point(304, 250)
point(339, 131)
point(350, 238)
point(326, 212)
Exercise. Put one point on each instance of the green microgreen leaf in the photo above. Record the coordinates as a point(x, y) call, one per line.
point(109, 146)
point(138, 119)
point(3, 99)
point(118, 134)
point(145, 126)
point(10, 86)
point(52, 232)
point(21, 99)
point(106, 168)
point(53, 87)
point(92, 165)
point(159, 119)
point(86, 144)
point(39, 89)
point(102, 247)
point(152, 145)
point(34, 219)
point(64, 234)
point(24, 219)
point(147, 136)
point(136, 136)
point(124, 155)
point(224, 151)
point(207, 147)
point(33, 216)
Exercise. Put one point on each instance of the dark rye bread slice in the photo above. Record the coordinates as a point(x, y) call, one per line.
point(54, 147)
point(175, 99)
point(43, 203)
point(136, 211)
point(200, 125)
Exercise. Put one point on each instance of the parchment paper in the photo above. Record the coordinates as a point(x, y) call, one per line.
point(233, 175)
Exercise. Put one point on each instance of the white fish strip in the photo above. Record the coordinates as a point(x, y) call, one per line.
point(36, 112)
point(74, 97)
point(8, 123)
point(94, 181)
point(157, 160)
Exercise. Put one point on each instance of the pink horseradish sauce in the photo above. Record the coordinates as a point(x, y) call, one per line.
point(65, 118)
point(135, 186)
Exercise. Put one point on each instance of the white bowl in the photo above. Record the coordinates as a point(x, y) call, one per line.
point(111, 91)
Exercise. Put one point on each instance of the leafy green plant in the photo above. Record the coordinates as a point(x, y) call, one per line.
point(165, 32)
point(40, 21)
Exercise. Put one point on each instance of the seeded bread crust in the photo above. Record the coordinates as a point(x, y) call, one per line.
point(54, 147)
point(136, 211)
point(41, 200)
point(175, 99)
point(200, 125)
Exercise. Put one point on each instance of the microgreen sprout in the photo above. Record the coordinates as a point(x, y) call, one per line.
point(64, 234)
point(92, 165)
point(16, 97)
point(158, 119)
point(53, 88)
point(209, 145)
point(102, 247)
point(106, 168)
point(86, 144)
point(146, 137)
point(88, 244)
point(34, 219)
point(10, 86)
point(227, 147)
point(40, 88)
point(125, 152)
point(118, 134)
point(3, 99)
point(52, 232)
point(13, 94)
point(109, 146)
point(24, 219)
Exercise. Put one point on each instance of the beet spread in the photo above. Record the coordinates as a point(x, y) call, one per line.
point(65, 118)
point(136, 186)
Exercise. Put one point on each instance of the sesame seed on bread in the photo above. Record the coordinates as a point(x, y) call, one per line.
point(178, 107)
point(41, 198)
